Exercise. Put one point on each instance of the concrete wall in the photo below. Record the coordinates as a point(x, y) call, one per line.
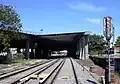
point(102, 62)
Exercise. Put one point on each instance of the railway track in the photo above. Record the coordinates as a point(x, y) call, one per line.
point(85, 76)
point(44, 75)
point(73, 73)
point(4, 75)
point(13, 78)
point(59, 71)
point(67, 74)
point(52, 74)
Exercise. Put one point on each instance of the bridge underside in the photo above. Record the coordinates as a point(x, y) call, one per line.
point(41, 45)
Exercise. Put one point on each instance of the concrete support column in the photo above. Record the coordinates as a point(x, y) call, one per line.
point(27, 48)
point(33, 47)
point(45, 53)
point(32, 55)
point(18, 50)
point(38, 51)
point(83, 48)
point(86, 47)
point(80, 50)
point(77, 51)
point(34, 50)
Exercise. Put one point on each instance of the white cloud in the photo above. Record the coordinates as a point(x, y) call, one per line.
point(94, 20)
point(87, 7)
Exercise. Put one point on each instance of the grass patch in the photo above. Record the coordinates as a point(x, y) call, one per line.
point(19, 60)
point(22, 60)
point(99, 53)
point(117, 73)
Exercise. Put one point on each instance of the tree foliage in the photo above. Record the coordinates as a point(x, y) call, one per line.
point(96, 43)
point(10, 25)
point(117, 43)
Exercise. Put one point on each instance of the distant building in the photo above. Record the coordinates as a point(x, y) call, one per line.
point(117, 50)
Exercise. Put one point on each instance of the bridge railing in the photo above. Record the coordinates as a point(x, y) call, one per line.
point(8, 27)
point(31, 32)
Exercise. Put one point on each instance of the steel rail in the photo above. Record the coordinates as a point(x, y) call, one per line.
point(54, 73)
point(35, 72)
point(87, 70)
point(20, 70)
point(74, 72)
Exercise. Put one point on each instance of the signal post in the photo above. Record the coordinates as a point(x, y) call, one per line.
point(109, 33)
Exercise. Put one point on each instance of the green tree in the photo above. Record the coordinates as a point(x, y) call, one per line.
point(96, 44)
point(10, 25)
point(117, 43)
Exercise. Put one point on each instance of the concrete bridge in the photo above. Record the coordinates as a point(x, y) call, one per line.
point(41, 45)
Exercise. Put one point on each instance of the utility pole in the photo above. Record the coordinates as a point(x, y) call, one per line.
point(108, 33)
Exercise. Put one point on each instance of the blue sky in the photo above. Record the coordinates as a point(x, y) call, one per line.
point(56, 16)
